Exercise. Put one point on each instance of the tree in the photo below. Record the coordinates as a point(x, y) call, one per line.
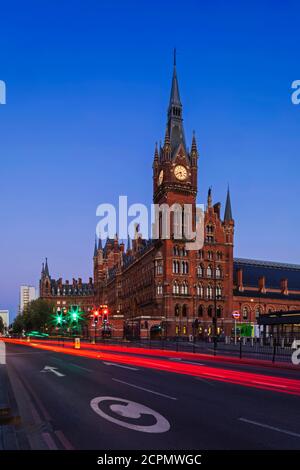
point(1, 325)
point(37, 315)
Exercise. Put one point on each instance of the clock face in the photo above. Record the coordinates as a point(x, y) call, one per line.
point(160, 177)
point(180, 172)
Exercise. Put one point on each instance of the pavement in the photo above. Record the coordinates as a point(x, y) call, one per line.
point(71, 401)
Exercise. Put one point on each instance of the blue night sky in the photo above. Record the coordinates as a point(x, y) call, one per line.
point(88, 84)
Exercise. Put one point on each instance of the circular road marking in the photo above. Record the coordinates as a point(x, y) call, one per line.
point(132, 410)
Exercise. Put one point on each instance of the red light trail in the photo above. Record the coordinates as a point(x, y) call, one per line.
point(248, 379)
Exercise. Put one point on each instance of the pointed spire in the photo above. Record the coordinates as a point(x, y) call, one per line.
point(128, 243)
point(174, 96)
point(194, 143)
point(156, 153)
point(228, 211)
point(43, 269)
point(95, 249)
point(167, 137)
point(209, 197)
point(46, 271)
point(100, 243)
point(175, 126)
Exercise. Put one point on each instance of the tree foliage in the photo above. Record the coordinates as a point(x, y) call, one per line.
point(1, 325)
point(37, 315)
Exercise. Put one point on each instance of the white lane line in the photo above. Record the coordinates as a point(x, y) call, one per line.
point(283, 431)
point(119, 365)
point(145, 389)
point(269, 384)
point(80, 367)
point(65, 442)
point(185, 362)
point(49, 441)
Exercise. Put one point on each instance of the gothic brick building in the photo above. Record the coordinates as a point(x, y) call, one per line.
point(157, 286)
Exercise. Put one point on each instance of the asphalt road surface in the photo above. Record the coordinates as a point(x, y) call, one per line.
point(72, 402)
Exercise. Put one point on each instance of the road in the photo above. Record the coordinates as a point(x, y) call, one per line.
point(74, 402)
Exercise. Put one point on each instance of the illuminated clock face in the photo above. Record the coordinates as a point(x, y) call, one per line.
point(180, 172)
point(160, 177)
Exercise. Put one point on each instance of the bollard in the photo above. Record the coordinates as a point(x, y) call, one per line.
point(77, 343)
point(28, 339)
point(252, 342)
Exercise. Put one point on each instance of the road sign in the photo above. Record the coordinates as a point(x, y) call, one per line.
point(236, 314)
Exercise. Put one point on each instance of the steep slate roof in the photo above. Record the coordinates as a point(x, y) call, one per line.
point(273, 272)
point(228, 211)
point(68, 289)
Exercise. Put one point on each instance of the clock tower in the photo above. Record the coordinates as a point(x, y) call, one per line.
point(174, 166)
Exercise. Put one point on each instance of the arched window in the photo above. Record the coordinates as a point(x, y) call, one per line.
point(175, 288)
point(184, 267)
point(209, 229)
point(184, 310)
point(209, 271)
point(219, 255)
point(200, 254)
point(210, 311)
point(177, 310)
point(184, 288)
point(200, 270)
point(200, 311)
point(218, 272)
point(176, 267)
point(159, 289)
point(209, 292)
point(219, 312)
point(200, 290)
point(210, 255)
point(177, 224)
point(218, 292)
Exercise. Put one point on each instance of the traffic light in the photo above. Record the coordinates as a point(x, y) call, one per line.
point(96, 316)
point(74, 313)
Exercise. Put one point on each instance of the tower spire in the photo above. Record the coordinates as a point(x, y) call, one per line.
point(228, 211)
point(46, 271)
point(209, 197)
point(95, 249)
point(175, 121)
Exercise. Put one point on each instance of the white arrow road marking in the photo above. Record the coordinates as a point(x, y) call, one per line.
point(131, 410)
point(119, 365)
point(54, 370)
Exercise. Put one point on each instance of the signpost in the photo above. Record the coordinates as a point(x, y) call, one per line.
point(236, 315)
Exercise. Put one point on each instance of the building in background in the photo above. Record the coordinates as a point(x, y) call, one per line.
point(27, 294)
point(4, 314)
point(158, 288)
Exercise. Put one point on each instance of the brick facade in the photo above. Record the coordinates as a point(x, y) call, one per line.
point(157, 287)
